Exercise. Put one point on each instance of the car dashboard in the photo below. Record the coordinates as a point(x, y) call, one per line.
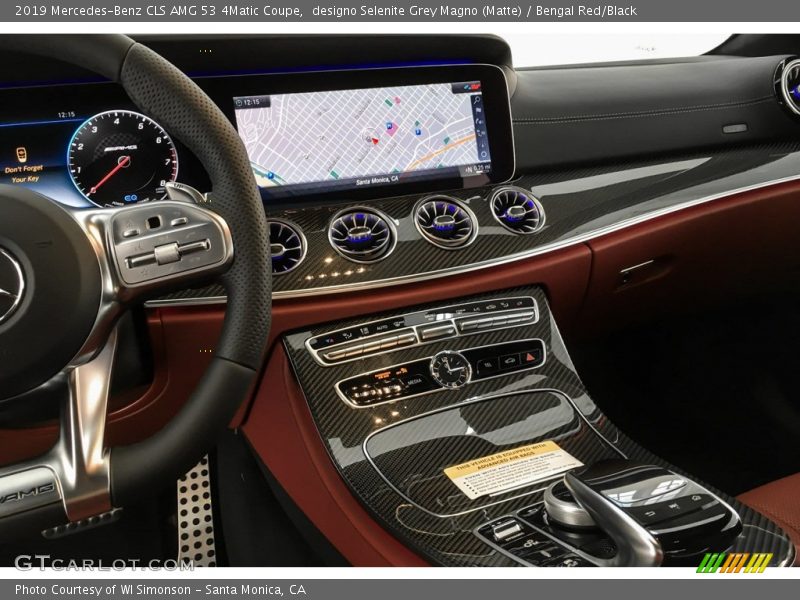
point(386, 174)
point(439, 223)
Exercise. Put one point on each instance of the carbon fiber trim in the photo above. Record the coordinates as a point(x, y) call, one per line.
point(410, 497)
point(579, 205)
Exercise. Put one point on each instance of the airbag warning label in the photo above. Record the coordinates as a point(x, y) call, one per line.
point(498, 473)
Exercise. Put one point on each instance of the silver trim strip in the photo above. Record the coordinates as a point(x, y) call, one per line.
point(453, 321)
point(533, 252)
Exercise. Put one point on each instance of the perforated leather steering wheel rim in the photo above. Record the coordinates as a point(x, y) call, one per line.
point(164, 93)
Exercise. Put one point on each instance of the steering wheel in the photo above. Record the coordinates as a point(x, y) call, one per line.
point(67, 275)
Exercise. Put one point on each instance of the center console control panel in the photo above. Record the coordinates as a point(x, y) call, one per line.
point(421, 327)
point(442, 371)
point(519, 540)
point(450, 423)
point(634, 515)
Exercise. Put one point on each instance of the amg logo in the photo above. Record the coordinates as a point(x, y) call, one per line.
point(19, 495)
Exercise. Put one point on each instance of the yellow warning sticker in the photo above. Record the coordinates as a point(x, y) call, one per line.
point(510, 469)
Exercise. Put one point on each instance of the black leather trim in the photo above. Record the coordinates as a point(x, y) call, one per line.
point(166, 94)
point(583, 114)
point(144, 467)
point(78, 49)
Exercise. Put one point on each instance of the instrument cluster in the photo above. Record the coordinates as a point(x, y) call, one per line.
point(87, 146)
point(121, 157)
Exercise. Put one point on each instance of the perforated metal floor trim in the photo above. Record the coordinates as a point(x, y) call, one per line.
point(196, 517)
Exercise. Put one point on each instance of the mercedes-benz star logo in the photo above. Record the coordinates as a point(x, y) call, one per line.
point(12, 285)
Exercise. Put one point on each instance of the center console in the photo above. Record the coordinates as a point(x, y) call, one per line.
point(466, 431)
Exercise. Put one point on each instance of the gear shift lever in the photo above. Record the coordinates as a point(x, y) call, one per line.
point(651, 513)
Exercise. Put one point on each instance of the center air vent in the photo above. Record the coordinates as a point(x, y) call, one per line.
point(445, 222)
point(517, 210)
point(362, 235)
point(788, 84)
point(287, 246)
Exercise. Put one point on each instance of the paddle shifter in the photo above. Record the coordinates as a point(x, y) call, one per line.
point(649, 513)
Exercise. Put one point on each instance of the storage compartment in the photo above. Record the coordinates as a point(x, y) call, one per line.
point(413, 456)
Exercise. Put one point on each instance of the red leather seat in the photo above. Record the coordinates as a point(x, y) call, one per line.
point(780, 501)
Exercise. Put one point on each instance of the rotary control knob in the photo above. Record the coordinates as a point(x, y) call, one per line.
point(562, 508)
point(451, 369)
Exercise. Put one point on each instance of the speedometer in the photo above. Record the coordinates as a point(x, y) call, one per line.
point(121, 157)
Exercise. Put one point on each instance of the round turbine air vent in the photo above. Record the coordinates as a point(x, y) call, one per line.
point(517, 210)
point(788, 84)
point(362, 235)
point(287, 246)
point(445, 222)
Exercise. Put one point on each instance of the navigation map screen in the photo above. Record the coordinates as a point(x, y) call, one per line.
point(347, 139)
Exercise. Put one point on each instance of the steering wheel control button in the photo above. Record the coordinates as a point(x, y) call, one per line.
point(142, 260)
point(200, 244)
point(167, 254)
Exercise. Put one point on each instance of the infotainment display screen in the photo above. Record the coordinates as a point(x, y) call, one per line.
point(356, 138)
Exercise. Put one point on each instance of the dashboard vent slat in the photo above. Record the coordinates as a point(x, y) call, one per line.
point(787, 83)
point(362, 235)
point(517, 210)
point(287, 246)
point(445, 222)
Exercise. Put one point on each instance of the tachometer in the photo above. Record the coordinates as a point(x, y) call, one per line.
point(121, 157)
